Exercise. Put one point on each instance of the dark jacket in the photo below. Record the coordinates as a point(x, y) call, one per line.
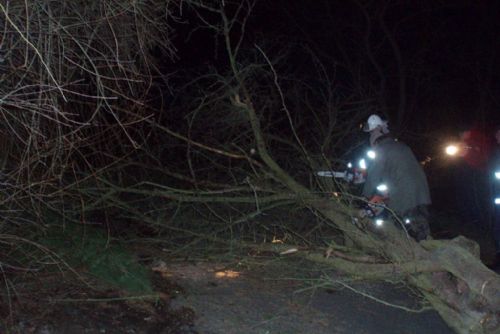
point(395, 165)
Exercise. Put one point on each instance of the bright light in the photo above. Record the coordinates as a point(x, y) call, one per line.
point(379, 222)
point(407, 221)
point(497, 201)
point(371, 154)
point(349, 165)
point(362, 164)
point(452, 150)
point(497, 175)
point(382, 187)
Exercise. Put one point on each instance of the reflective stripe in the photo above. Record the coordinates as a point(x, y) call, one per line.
point(362, 164)
point(382, 187)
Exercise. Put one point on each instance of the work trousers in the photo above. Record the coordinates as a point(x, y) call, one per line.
point(496, 228)
point(416, 223)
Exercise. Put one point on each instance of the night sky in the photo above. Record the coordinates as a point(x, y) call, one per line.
point(442, 56)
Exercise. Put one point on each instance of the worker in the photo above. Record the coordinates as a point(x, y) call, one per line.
point(401, 175)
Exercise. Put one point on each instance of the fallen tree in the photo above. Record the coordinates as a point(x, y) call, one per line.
point(448, 273)
point(236, 162)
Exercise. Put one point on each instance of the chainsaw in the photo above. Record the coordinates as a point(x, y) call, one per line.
point(375, 208)
point(350, 175)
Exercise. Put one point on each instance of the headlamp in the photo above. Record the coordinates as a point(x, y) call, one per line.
point(452, 149)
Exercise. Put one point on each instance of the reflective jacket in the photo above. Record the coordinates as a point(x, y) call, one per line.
point(395, 166)
point(495, 173)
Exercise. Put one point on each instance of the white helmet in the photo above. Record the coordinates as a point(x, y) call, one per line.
point(373, 122)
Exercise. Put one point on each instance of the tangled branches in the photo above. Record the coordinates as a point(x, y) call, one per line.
point(75, 77)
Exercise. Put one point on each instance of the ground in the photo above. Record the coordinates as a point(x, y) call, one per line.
point(270, 300)
point(254, 296)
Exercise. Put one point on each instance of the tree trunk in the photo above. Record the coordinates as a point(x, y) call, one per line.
point(448, 273)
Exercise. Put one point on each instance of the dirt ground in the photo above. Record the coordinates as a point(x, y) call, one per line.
point(267, 296)
point(55, 304)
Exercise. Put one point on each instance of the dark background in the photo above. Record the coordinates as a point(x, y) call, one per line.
point(430, 67)
point(445, 51)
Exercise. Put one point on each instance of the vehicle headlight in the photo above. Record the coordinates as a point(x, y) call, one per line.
point(379, 222)
point(371, 154)
point(362, 164)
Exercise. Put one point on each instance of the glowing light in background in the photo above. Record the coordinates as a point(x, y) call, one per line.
point(371, 154)
point(451, 150)
point(379, 222)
